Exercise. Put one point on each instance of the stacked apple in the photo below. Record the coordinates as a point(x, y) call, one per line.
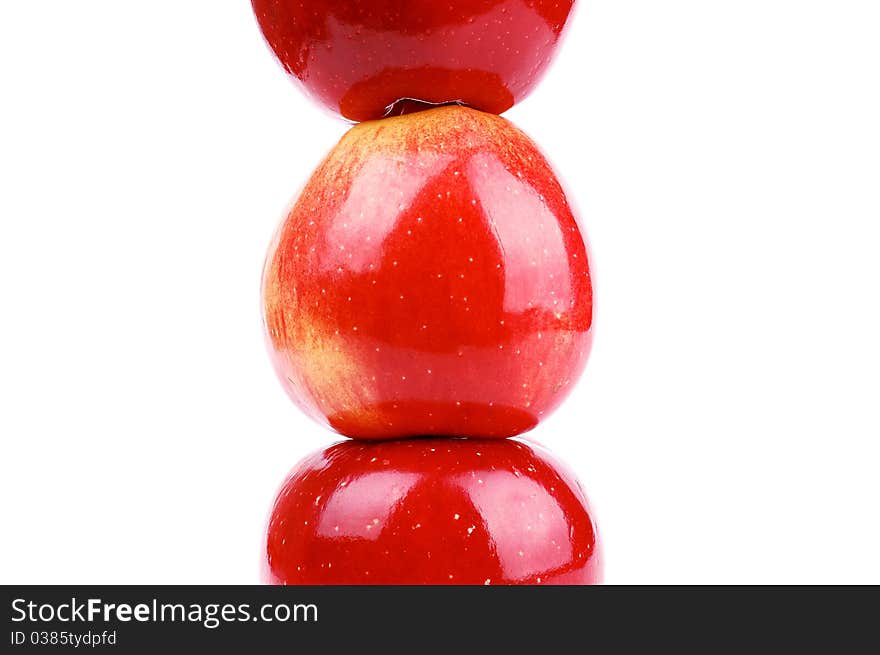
point(428, 295)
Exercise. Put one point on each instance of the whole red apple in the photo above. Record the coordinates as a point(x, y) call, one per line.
point(359, 57)
point(431, 279)
point(431, 511)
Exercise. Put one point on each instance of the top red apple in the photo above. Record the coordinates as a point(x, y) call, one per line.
point(360, 57)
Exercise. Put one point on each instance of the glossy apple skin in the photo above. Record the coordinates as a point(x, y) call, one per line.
point(431, 511)
point(431, 279)
point(358, 57)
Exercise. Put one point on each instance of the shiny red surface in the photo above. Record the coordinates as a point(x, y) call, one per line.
point(431, 511)
point(360, 56)
point(431, 279)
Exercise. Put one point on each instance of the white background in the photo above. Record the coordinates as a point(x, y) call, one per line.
point(726, 159)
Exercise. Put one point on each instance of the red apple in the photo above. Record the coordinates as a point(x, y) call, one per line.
point(431, 511)
point(431, 279)
point(359, 57)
